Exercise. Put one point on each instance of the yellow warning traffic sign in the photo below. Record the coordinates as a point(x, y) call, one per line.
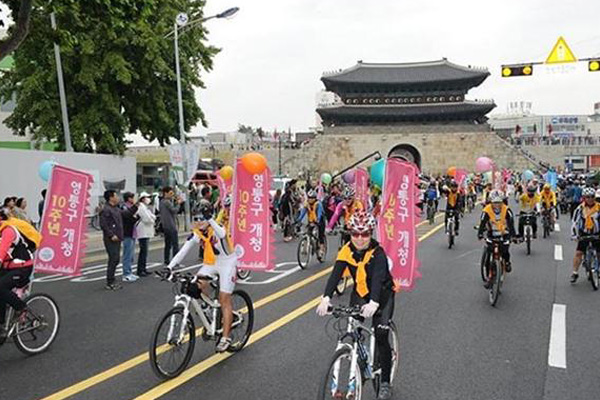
point(561, 53)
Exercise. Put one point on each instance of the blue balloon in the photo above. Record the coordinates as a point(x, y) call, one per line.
point(527, 175)
point(46, 170)
point(377, 172)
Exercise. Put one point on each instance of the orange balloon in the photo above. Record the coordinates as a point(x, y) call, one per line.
point(254, 163)
point(451, 171)
point(226, 172)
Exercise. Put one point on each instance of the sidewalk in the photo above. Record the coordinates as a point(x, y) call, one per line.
point(95, 250)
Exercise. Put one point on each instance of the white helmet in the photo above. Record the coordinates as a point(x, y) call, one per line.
point(496, 196)
point(588, 192)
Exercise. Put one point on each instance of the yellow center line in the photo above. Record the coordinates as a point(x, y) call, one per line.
point(210, 362)
point(119, 369)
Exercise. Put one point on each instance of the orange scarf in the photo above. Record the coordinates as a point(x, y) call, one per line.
point(452, 198)
point(588, 213)
point(209, 257)
point(498, 223)
point(312, 212)
point(345, 255)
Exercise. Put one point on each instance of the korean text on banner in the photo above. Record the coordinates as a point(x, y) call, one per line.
point(397, 222)
point(64, 224)
point(361, 182)
point(251, 225)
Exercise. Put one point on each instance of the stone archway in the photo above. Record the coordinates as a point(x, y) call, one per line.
point(406, 152)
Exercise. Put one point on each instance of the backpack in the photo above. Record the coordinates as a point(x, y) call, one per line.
point(28, 238)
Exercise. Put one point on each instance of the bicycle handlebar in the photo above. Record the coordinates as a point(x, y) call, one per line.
point(343, 311)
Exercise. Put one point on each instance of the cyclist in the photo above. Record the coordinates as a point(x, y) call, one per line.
point(431, 195)
point(486, 194)
point(454, 201)
point(585, 222)
point(530, 203)
point(16, 262)
point(347, 207)
point(472, 192)
point(218, 259)
point(497, 218)
point(373, 291)
point(548, 202)
point(316, 214)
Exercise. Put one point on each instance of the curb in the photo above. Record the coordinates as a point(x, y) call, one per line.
point(99, 254)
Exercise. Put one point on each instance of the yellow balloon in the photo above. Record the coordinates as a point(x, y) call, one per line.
point(226, 172)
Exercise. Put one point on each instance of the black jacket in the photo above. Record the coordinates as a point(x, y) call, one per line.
point(129, 219)
point(111, 222)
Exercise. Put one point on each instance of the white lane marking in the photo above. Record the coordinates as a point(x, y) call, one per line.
point(557, 353)
point(280, 274)
point(556, 227)
point(558, 252)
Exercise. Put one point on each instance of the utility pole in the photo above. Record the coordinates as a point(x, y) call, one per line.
point(61, 90)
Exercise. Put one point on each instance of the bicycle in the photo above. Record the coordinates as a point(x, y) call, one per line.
point(451, 227)
point(354, 362)
point(309, 245)
point(529, 219)
point(546, 223)
point(174, 336)
point(493, 267)
point(243, 274)
point(35, 329)
point(590, 261)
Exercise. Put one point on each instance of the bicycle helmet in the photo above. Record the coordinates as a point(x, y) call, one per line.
point(546, 186)
point(531, 189)
point(349, 193)
point(588, 192)
point(361, 222)
point(205, 210)
point(312, 194)
point(227, 201)
point(496, 196)
point(453, 184)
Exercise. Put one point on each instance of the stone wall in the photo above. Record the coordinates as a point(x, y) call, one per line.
point(440, 146)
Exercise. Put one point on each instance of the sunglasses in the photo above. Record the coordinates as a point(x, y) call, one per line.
point(362, 235)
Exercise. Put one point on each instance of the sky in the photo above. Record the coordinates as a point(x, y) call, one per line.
point(274, 52)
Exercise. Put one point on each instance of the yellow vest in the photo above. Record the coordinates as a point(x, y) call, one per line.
point(529, 203)
point(498, 224)
point(345, 255)
point(548, 199)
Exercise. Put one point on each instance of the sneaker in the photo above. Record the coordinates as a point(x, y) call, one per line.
point(508, 267)
point(574, 277)
point(130, 278)
point(385, 391)
point(223, 345)
point(488, 284)
point(535, 235)
point(113, 286)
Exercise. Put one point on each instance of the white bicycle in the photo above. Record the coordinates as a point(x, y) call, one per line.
point(353, 363)
point(174, 338)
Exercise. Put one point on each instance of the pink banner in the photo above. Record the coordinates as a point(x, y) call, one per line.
point(225, 187)
point(361, 185)
point(251, 215)
point(63, 226)
point(397, 222)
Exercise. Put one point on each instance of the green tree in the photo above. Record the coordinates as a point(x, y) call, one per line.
point(118, 69)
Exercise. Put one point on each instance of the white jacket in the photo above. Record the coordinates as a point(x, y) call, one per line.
point(144, 229)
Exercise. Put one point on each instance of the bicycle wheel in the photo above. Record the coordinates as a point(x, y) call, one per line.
point(342, 380)
point(496, 282)
point(243, 274)
point(172, 344)
point(304, 252)
point(243, 320)
point(484, 258)
point(450, 232)
point(394, 344)
point(593, 270)
point(528, 243)
point(38, 327)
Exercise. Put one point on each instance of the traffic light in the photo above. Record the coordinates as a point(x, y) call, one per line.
point(517, 70)
point(594, 65)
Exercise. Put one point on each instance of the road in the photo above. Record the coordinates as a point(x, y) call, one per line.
point(454, 345)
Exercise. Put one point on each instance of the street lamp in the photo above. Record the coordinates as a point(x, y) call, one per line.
point(182, 21)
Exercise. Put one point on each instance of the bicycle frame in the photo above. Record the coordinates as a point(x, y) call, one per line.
point(22, 293)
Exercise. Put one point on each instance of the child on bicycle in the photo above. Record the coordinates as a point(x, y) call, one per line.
point(316, 215)
point(373, 290)
point(219, 259)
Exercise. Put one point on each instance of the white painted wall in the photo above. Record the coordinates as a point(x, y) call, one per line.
point(19, 173)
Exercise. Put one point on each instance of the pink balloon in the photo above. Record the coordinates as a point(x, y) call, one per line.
point(484, 164)
point(349, 177)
